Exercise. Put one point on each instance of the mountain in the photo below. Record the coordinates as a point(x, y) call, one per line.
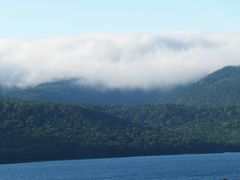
point(70, 91)
point(222, 87)
point(53, 131)
point(44, 127)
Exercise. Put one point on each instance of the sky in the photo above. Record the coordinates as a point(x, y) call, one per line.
point(125, 44)
point(52, 18)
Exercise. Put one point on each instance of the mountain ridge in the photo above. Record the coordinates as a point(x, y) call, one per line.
point(221, 87)
point(70, 91)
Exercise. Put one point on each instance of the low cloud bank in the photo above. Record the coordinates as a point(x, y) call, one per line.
point(124, 61)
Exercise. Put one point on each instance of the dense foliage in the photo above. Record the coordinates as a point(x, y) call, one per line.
point(72, 91)
point(219, 88)
point(44, 131)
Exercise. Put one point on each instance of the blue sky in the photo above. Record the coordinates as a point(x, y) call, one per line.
point(50, 18)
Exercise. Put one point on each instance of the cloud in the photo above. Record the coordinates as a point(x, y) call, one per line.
point(122, 61)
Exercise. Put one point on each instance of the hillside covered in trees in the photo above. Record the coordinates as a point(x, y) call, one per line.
point(48, 131)
point(71, 91)
point(55, 120)
point(221, 87)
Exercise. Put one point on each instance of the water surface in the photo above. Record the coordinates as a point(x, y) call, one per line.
point(174, 167)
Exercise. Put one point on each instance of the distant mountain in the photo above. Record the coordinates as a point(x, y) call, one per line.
point(222, 87)
point(70, 91)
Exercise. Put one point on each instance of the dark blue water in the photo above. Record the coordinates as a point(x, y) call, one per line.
point(174, 167)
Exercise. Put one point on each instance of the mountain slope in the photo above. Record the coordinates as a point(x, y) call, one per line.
point(71, 92)
point(222, 87)
point(49, 131)
point(219, 88)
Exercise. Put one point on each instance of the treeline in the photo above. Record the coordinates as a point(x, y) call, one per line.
point(48, 131)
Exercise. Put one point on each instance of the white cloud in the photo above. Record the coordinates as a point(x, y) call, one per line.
point(117, 60)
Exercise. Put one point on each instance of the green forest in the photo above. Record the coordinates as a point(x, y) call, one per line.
point(33, 131)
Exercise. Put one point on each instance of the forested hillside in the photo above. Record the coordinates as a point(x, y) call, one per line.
point(200, 118)
point(222, 87)
point(70, 91)
point(44, 131)
point(219, 88)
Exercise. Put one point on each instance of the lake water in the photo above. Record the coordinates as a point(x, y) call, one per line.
point(174, 167)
